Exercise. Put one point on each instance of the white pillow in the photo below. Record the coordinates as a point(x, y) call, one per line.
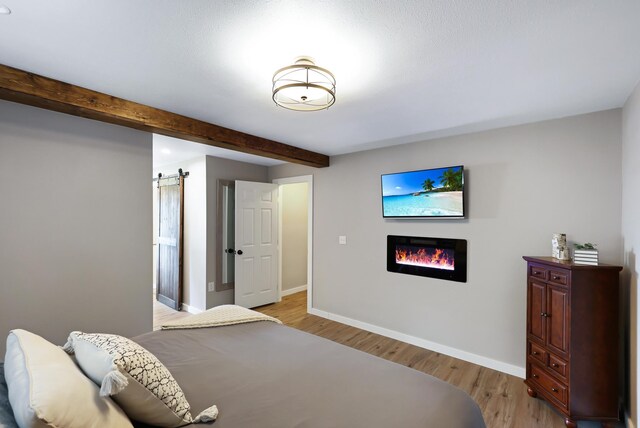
point(47, 389)
point(135, 378)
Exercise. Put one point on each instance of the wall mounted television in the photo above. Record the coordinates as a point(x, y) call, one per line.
point(428, 193)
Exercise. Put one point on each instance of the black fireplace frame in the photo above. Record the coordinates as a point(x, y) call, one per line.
point(459, 246)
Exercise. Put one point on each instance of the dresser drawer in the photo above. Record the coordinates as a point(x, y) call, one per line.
point(537, 272)
point(537, 353)
point(549, 386)
point(558, 366)
point(559, 277)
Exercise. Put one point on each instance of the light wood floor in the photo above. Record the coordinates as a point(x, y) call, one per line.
point(502, 398)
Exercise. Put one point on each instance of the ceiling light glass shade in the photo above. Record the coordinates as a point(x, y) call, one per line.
point(304, 86)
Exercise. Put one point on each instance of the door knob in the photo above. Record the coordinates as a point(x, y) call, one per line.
point(239, 252)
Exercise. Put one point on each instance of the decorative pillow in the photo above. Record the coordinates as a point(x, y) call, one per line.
point(135, 378)
point(47, 389)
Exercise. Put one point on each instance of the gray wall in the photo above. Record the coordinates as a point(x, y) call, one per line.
point(194, 263)
point(294, 234)
point(224, 169)
point(523, 184)
point(631, 237)
point(75, 225)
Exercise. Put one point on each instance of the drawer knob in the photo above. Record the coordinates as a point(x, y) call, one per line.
point(554, 365)
point(554, 389)
point(534, 352)
point(544, 314)
point(535, 376)
point(556, 277)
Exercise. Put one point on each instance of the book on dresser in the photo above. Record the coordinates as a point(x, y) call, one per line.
point(585, 257)
point(572, 338)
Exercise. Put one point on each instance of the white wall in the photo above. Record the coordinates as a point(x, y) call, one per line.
point(154, 198)
point(294, 234)
point(631, 237)
point(194, 259)
point(75, 225)
point(524, 183)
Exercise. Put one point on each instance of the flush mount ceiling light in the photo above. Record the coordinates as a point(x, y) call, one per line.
point(304, 86)
point(4, 10)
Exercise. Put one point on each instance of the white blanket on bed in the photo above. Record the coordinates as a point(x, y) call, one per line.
point(219, 316)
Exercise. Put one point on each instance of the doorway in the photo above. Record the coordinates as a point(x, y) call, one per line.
point(296, 236)
point(170, 239)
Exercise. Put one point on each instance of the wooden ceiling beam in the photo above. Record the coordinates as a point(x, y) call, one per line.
point(39, 91)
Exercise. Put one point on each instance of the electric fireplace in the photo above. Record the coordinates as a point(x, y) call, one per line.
point(433, 257)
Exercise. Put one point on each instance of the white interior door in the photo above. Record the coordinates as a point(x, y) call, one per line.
point(256, 270)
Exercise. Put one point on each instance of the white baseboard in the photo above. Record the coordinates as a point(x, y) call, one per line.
point(191, 309)
point(426, 344)
point(293, 290)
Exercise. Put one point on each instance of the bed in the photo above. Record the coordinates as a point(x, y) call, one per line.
point(267, 375)
point(6, 415)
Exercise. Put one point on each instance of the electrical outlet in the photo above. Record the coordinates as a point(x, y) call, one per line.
point(211, 286)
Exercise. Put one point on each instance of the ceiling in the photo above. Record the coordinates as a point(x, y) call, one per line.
point(406, 70)
point(168, 150)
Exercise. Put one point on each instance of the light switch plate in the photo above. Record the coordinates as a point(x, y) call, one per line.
point(342, 240)
point(211, 286)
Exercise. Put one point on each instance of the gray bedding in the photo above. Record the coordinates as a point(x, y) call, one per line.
point(270, 376)
point(6, 414)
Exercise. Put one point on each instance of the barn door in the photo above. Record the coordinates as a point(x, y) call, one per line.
point(256, 230)
point(170, 247)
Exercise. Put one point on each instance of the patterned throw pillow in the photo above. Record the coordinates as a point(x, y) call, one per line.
point(135, 378)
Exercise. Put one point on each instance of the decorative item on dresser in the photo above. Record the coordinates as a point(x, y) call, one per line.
point(585, 254)
point(572, 338)
point(559, 249)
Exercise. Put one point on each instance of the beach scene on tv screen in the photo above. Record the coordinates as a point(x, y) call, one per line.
point(427, 193)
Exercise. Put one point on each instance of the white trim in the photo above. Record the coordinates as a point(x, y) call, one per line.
point(291, 180)
point(293, 290)
point(629, 420)
point(426, 344)
point(191, 309)
point(280, 215)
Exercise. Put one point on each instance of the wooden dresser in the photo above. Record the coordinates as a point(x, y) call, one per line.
point(572, 338)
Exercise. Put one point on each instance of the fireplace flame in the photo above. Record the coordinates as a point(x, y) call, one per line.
point(425, 257)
